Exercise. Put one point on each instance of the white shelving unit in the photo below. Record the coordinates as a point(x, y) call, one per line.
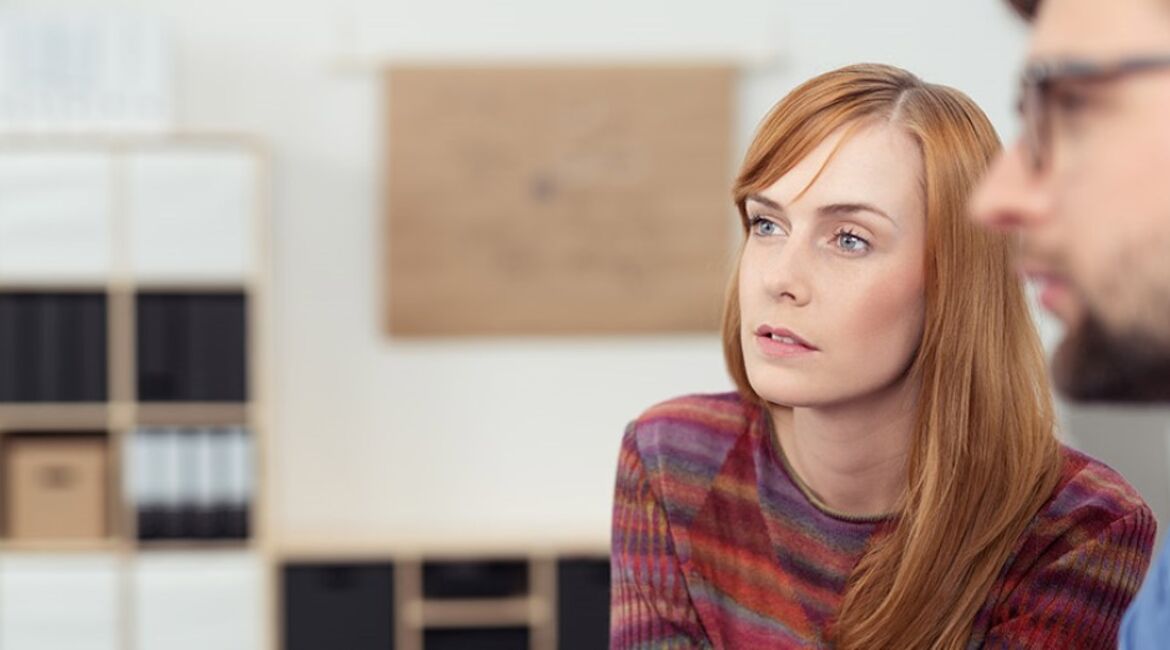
point(116, 215)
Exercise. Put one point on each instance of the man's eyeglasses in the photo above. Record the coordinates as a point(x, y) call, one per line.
point(1036, 85)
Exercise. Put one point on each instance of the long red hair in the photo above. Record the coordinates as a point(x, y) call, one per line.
point(984, 455)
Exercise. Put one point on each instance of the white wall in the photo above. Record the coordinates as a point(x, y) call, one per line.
point(490, 437)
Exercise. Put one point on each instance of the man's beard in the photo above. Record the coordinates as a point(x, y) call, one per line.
point(1095, 365)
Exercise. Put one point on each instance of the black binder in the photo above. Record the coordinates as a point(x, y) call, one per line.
point(192, 347)
point(53, 347)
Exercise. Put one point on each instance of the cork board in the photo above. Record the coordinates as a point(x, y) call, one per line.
point(557, 200)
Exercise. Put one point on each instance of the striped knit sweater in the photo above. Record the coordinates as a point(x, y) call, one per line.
point(715, 545)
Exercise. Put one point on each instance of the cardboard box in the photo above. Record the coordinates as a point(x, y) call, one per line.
point(55, 486)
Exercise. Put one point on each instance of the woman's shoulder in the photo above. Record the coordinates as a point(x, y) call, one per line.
point(717, 412)
point(1079, 563)
point(1081, 559)
point(1092, 504)
point(682, 443)
point(692, 422)
point(1090, 490)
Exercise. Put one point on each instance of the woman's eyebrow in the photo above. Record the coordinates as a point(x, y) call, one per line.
point(764, 201)
point(839, 209)
point(831, 210)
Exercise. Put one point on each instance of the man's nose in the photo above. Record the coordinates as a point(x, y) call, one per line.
point(1010, 196)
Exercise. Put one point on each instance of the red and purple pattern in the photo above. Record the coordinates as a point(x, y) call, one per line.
point(715, 545)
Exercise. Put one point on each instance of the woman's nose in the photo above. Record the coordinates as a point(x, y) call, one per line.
point(786, 273)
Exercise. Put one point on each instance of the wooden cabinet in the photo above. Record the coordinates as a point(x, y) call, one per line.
point(409, 599)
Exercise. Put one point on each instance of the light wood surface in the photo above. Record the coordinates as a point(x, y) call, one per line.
point(557, 199)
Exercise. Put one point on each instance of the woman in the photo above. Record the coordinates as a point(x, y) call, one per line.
point(887, 474)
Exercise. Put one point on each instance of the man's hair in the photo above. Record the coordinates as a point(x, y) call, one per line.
point(1026, 8)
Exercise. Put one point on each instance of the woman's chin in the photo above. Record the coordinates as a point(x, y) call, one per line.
point(788, 397)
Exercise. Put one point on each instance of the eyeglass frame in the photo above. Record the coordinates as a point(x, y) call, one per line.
point(1039, 77)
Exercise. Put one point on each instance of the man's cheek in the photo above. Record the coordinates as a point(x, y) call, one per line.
point(1094, 281)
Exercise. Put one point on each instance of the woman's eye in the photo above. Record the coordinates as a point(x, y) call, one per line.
point(851, 243)
point(764, 227)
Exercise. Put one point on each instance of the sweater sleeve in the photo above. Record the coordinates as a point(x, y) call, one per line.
point(1077, 600)
point(650, 606)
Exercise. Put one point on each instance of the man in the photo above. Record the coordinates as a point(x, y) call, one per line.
point(1087, 190)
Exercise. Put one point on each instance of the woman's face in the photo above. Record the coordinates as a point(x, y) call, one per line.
point(831, 281)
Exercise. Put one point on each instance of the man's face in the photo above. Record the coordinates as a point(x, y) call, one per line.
point(1094, 220)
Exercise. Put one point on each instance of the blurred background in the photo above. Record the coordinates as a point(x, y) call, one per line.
point(320, 322)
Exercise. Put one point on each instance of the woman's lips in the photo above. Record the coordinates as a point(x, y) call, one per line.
point(781, 343)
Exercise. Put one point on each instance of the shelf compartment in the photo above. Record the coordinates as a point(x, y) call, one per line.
point(338, 605)
point(471, 579)
point(60, 601)
point(486, 638)
point(53, 347)
point(56, 486)
point(196, 600)
point(190, 213)
point(192, 347)
point(583, 603)
point(190, 483)
point(55, 217)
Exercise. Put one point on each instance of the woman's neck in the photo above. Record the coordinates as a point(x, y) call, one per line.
point(851, 456)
